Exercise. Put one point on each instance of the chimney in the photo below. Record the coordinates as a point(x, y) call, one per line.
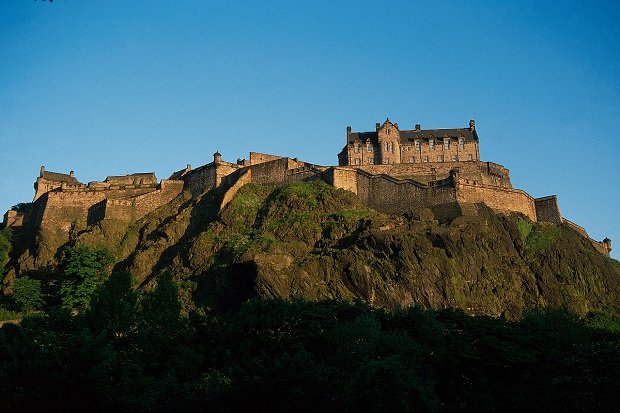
point(472, 125)
point(377, 126)
point(417, 126)
point(188, 168)
point(42, 171)
point(348, 130)
point(72, 174)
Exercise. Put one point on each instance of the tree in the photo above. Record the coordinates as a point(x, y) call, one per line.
point(5, 248)
point(84, 270)
point(27, 294)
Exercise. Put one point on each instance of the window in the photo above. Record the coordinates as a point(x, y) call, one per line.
point(411, 159)
point(371, 161)
point(358, 161)
point(470, 157)
point(455, 158)
point(431, 144)
point(417, 144)
point(440, 158)
point(357, 147)
point(369, 149)
point(446, 144)
point(385, 161)
point(425, 159)
point(462, 143)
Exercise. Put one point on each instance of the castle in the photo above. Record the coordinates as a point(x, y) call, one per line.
point(391, 170)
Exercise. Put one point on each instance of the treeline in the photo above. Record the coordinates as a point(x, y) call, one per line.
point(131, 353)
point(101, 344)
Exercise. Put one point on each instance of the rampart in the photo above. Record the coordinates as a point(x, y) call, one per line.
point(547, 209)
point(392, 195)
point(484, 172)
point(449, 189)
point(501, 199)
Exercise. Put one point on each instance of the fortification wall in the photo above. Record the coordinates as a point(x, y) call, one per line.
point(345, 178)
point(505, 200)
point(13, 219)
point(201, 179)
point(274, 171)
point(66, 209)
point(391, 195)
point(168, 190)
point(303, 173)
point(547, 209)
point(241, 178)
point(257, 157)
point(487, 173)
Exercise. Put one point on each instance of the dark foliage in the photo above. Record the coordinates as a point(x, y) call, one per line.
point(130, 353)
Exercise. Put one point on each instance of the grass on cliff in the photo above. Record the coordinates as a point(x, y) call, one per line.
point(300, 211)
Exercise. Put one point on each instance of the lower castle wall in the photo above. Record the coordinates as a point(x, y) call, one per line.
point(547, 209)
point(500, 199)
point(275, 171)
point(200, 179)
point(344, 178)
point(487, 173)
point(149, 202)
point(257, 157)
point(63, 209)
point(395, 196)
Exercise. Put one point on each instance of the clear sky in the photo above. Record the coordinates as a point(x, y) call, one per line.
point(112, 87)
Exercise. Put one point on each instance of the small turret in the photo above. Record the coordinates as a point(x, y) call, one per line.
point(418, 126)
point(72, 174)
point(42, 171)
point(217, 157)
point(607, 243)
point(472, 125)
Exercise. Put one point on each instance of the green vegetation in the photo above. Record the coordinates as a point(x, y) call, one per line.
point(83, 271)
point(542, 236)
point(192, 333)
point(6, 314)
point(134, 351)
point(27, 294)
point(525, 228)
point(5, 248)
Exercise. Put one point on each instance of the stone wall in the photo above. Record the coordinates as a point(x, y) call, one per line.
point(257, 157)
point(64, 210)
point(391, 195)
point(547, 209)
point(168, 190)
point(339, 177)
point(13, 219)
point(488, 173)
point(500, 199)
point(243, 177)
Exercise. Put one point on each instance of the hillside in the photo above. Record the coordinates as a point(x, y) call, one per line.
point(311, 241)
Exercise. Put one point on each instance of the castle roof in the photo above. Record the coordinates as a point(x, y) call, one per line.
point(58, 177)
point(407, 136)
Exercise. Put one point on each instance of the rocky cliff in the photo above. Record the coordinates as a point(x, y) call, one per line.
point(311, 241)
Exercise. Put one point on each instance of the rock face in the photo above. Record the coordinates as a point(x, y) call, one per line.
point(311, 241)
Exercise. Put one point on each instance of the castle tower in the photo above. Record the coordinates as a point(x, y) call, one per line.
point(388, 136)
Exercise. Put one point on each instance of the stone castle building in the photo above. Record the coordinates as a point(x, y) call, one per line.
point(390, 145)
point(390, 170)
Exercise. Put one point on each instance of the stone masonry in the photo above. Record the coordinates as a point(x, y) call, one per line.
point(391, 170)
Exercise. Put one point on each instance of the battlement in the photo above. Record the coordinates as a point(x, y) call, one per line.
point(390, 169)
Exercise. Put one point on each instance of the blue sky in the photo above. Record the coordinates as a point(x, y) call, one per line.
point(115, 87)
